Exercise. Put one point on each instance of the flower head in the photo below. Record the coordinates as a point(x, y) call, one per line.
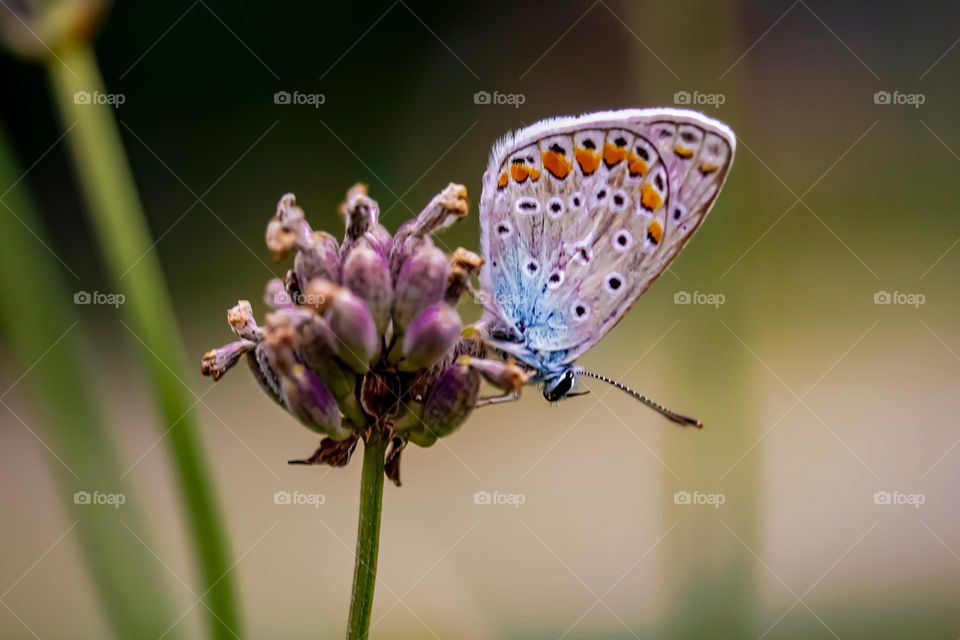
point(363, 335)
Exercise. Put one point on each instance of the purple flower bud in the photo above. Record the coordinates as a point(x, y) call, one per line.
point(422, 282)
point(358, 343)
point(319, 257)
point(264, 373)
point(367, 276)
point(404, 246)
point(430, 336)
point(275, 295)
point(243, 323)
point(217, 362)
point(317, 351)
point(506, 376)
point(451, 399)
point(309, 399)
point(381, 239)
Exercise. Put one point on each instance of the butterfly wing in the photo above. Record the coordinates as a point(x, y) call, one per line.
point(580, 215)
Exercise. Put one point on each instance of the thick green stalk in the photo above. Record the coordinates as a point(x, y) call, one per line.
point(368, 538)
point(114, 206)
point(40, 327)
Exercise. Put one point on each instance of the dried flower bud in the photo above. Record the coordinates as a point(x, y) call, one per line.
point(361, 215)
point(447, 207)
point(506, 376)
point(422, 282)
point(366, 274)
point(451, 399)
point(288, 229)
point(243, 323)
point(319, 257)
point(217, 362)
point(358, 343)
point(430, 336)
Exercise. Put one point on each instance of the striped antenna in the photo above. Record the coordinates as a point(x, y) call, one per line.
point(662, 410)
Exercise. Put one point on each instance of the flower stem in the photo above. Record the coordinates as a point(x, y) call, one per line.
point(117, 213)
point(368, 537)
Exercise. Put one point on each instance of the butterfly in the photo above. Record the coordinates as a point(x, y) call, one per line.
point(578, 217)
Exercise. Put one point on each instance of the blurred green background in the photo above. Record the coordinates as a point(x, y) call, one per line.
point(825, 372)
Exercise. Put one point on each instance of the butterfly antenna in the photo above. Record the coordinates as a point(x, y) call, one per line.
point(662, 410)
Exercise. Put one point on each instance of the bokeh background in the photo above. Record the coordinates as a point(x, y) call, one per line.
point(822, 404)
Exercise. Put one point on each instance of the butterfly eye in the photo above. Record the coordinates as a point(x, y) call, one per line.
point(527, 206)
point(555, 207)
point(583, 255)
point(678, 211)
point(532, 268)
point(614, 282)
point(580, 310)
point(504, 229)
point(622, 240)
point(555, 279)
point(576, 201)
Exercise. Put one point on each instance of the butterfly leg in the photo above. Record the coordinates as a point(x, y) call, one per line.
point(511, 396)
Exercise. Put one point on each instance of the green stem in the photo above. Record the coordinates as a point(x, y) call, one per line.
point(115, 208)
point(368, 538)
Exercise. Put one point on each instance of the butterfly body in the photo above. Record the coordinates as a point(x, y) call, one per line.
point(579, 216)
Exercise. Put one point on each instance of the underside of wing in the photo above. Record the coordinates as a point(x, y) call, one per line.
point(580, 215)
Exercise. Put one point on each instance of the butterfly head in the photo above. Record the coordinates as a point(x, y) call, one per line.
point(561, 386)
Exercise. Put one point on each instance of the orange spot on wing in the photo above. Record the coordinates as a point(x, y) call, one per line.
point(649, 197)
point(503, 180)
point(534, 173)
point(519, 172)
point(587, 159)
point(556, 163)
point(706, 168)
point(655, 232)
point(636, 165)
point(612, 154)
point(683, 152)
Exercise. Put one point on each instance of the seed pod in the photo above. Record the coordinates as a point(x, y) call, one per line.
point(358, 343)
point(312, 403)
point(243, 323)
point(506, 376)
point(422, 282)
point(217, 362)
point(430, 336)
point(319, 257)
point(366, 274)
point(451, 400)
